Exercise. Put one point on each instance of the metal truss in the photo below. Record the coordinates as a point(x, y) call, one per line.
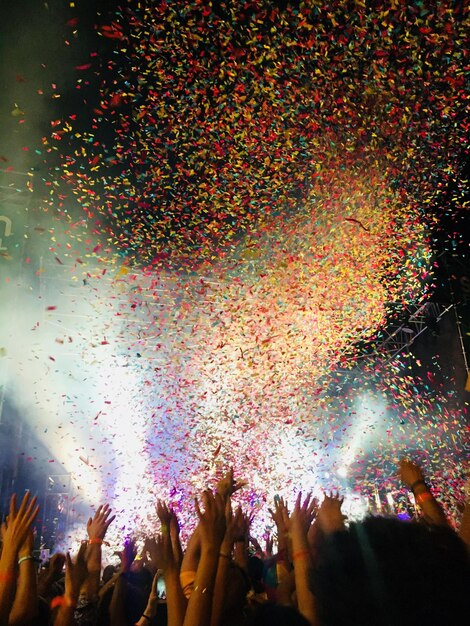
point(396, 337)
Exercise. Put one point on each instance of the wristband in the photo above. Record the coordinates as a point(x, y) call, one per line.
point(95, 540)
point(226, 556)
point(300, 554)
point(146, 617)
point(423, 497)
point(7, 577)
point(28, 557)
point(62, 601)
point(416, 483)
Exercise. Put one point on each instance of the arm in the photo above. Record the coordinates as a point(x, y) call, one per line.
point(280, 517)
point(190, 562)
point(212, 530)
point(15, 532)
point(117, 605)
point(299, 524)
point(464, 531)
point(96, 529)
point(25, 605)
point(225, 556)
point(169, 548)
point(412, 476)
point(241, 538)
point(75, 575)
point(48, 577)
point(152, 603)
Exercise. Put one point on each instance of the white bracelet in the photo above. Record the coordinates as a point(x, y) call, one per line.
point(30, 557)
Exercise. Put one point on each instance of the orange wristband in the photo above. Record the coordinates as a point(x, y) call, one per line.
point(423, 497)
point(62, 601)
point(7, 577)
point(96, 540)
point(300, 554)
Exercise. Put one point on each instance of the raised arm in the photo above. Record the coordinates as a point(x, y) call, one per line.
point(212, 530)
point(25, 605)
point(96, 529)
point(169, 548)
point(51, 575)
point(117, 605)
point(235, 540)
point(75, 575)
point(299, 524)
point(280, 516)
point(15, 532)
point(412, 476)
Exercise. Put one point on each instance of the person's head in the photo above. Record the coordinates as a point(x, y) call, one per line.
point(382, 572)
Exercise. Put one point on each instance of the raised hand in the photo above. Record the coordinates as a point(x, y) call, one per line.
point(56, 564)
point(17, 527)
point(269, 543)
point(212, 522)
point(237, 525)
point(410, 473)
point(98, 525)
point(303, 514)
point(27, 547)
point(227, 485)
point(280, 515)
point(329, 516)
point(75, 574)
point(164, 514)
point(127, 555)
point(170, 529)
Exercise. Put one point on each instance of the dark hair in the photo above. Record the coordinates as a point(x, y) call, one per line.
point(383, 572)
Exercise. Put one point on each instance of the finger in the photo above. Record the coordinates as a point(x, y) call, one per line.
point(207, 500)
point(12, 513)
point(81, 552)
point(228, 511)
point(198, 510)
point(33, 515)
point(299, 498)
point(31, 511)
point(307, 500)
point(111, 519)
point(24, 504)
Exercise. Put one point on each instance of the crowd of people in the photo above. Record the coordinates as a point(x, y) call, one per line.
point(318, 570)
